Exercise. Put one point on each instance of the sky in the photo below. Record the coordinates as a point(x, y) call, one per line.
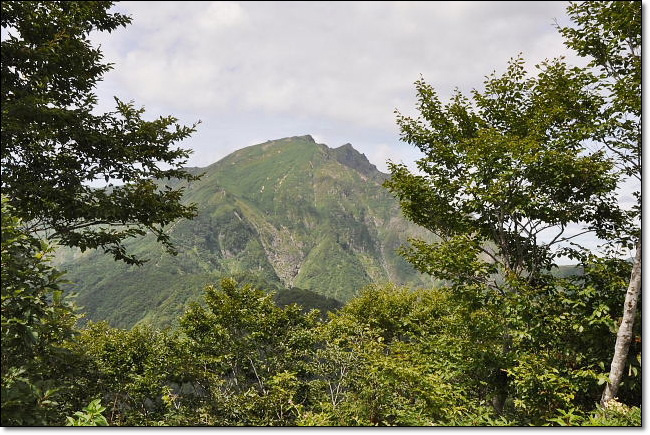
point(257, 71)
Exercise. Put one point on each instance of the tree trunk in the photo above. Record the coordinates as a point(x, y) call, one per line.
point(624, 335)
point(501, 380)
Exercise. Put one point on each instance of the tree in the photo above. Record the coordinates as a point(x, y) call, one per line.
point(504, 176)
point(252, 353)
point(395, 356)
point(133, 371)
point(504, 173)
point(610, 34)
point(36, 320)
point(54, 145)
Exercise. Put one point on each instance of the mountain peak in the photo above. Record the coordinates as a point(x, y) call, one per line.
point(347, 155)
point(281, 214)
point(304, 138)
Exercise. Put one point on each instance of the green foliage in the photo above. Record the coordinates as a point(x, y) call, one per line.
point(393, 356)
point(567, 418)
point(131, 371)
point(504, 169)
point(307, 300)
point(36, 320)
point(541, 388)
point(500, 170)
point(90, 416)
point(334, 269)
point(479, 415)
point(614, 414)
point(510, 167)
point(55, 145)
point(609, 34)
point(251, 353)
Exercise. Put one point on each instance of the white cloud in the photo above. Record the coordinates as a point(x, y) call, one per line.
point(254, 71)
point(267, 67)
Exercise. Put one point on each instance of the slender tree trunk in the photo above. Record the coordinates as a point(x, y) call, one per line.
point(624, 335)
point(501, 394)
point(501, 380)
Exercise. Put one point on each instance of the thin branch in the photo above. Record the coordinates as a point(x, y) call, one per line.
point(259, 381)
point(557, 236)
point(488, 253)
point(564, 239)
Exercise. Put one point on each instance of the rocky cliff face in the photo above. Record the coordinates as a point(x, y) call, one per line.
point(285, 213)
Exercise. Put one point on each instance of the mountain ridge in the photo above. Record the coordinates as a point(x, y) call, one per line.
point(283, 214)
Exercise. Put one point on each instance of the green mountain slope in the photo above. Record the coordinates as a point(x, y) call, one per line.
point(285, 214)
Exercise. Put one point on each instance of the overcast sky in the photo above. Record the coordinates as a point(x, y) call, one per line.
point(254, 71)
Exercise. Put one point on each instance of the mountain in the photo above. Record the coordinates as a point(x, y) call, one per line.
point(288, 215)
